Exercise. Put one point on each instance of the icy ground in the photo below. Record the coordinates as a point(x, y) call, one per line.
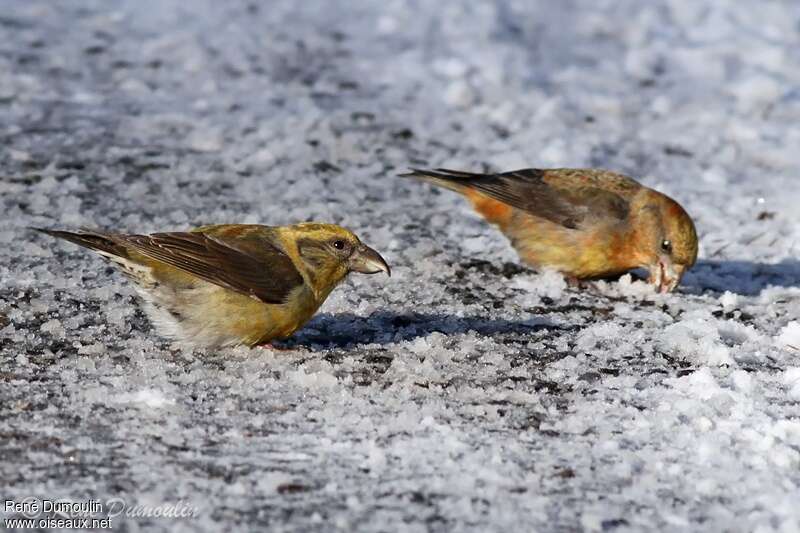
point(464, 393)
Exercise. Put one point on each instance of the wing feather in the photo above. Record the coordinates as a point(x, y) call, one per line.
point(252, 265)
point(569, 197)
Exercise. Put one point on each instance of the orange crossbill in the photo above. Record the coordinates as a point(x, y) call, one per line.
point(585, 223)
point(234, 284)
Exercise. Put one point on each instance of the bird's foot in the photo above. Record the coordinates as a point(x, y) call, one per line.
point(576, 283)
point(587, 286)
point(270, 346)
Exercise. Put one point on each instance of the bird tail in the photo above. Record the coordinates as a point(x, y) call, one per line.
point(469, 185)
point(94, 240)
point(454, 180)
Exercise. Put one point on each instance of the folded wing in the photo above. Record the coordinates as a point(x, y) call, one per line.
point(572, 198)
point(252, 265)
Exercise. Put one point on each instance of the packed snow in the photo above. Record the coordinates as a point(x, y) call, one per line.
point(465, 392)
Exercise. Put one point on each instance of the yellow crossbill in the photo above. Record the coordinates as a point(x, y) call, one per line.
point(585, 223)
point(234, 284)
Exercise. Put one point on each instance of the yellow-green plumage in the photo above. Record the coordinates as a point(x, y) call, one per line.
point(233, 284)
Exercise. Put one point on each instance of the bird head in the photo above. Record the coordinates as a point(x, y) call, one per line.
point(665, 239)
point(330, 252)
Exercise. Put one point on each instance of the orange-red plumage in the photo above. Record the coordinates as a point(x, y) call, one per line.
point(586, 223)
point(492, 210)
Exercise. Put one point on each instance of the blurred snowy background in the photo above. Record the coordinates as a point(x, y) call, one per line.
point(464, 393)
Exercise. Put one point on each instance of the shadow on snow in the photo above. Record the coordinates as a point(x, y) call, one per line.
point(345, 330)
point(747, 278)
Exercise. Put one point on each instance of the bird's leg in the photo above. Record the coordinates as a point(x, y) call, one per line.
point(270, 346)
point(582, 285)
point(575, 283)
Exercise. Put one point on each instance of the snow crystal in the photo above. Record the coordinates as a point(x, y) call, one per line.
point(697, 337)
point(94, 348)
point(790, 337)
point(728, 301)
point(151, 398)
point(742, 381)
point(549, 283)
point(700, 383)
point(791, 378)
point(54, 327)
point(459, 94)
point(312, 379)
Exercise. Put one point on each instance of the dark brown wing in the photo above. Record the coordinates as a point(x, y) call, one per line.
point(90, 239)
point(251, 264)
point(569, 197)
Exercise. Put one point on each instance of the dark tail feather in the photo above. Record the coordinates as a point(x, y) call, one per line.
point(89, 239)
point(442, 174)
point(450, 179)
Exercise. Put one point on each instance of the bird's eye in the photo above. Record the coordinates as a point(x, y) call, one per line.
point(666, 246)
point(339, 245)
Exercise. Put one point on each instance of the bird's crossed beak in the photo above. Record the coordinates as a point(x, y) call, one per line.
point(665, 275)
point(367, 261)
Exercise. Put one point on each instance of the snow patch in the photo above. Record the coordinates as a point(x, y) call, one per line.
point(790, 337)
point(150, 398)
